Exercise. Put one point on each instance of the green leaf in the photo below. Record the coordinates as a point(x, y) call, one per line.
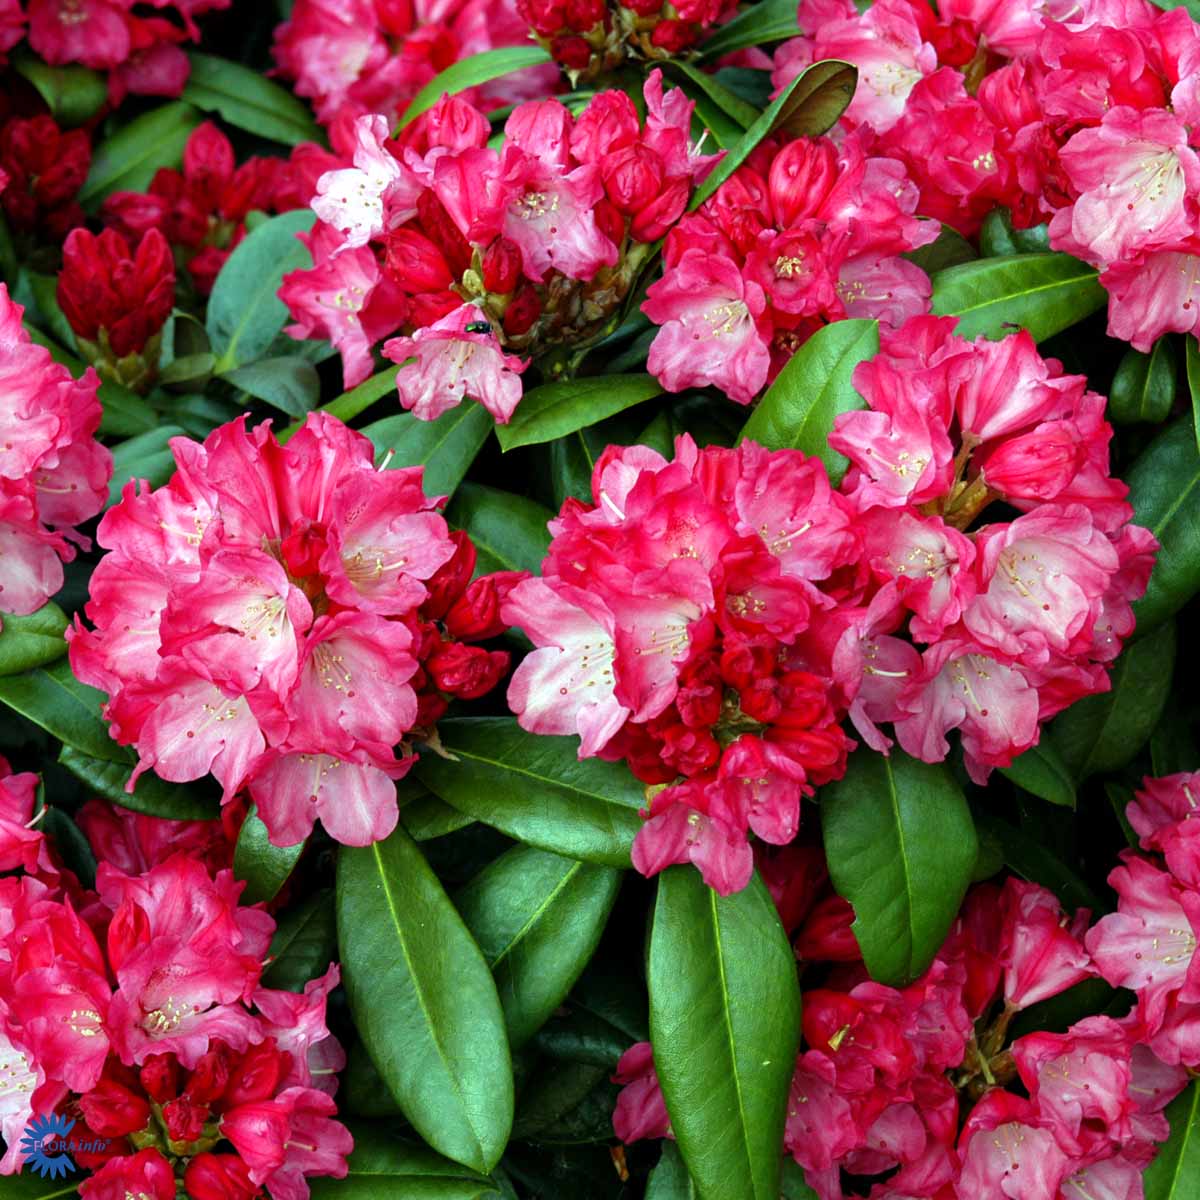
point(249, 100)
point(151, 795)
point(1192, 357)
point(1143, 389)
point(566, 1104)
point(65, 708)
point(290, 384)
point(537, 917)
point(127, 161)
point(425, 816)
point(535, 789)
point(798, 410)
point(902, 847)
point(993, 297)
point(189, 369)
point(999, 237)
point(423, 1000)
point(742, 114)
point(264, 866)
point(724, 1023)
point(807, 107)
point(446, 448)
point(304, 945)
point(33, 640)
point(509, 532)
point(1173, 1175)
point(556, 409)
point(1042, 772)
point(795, 1186)
point(73, 94)
point(358, 399)
point(1193, 9)
point(670, 1179)
point(71, 844)
point(1164, 489)
point(767, 21)
point(382, 1167)
point(948, 249)
point(365, 1094)
point(244, 313)
point(28, 1186)
point(1027, 855)
point(1102, 733)
point(471, 72)
point(147, 456)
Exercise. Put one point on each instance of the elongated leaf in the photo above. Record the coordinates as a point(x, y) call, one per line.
point(249, 100)
point(73, 94)
point(902, 848)
point(509, 531)
point(1164, 489)
point(1042, 772)
point(1143, 388)
point(65, 708)
point(151, 795)
point(425, 816)
point(767, 21)
point(28, 1186)
point(304, 945)
point(290, 383)
point(807, 107)
point(535, 789)
point(358, 399)
point(799, 408)
point(999, 236)
point(724, 1023)
point(147, 456)
point(670, 1179)
point(1192, 357)
point(556, 409)
point(471, 72)
point(244, 313)
point(32, 641)
point(741, 113)
point(423, 1001)
point(1173, 1175)
point(1102, 733)
point(128, 160)
point(446, 448)
point(537, 918)
point(993, 297)
point(567, 1104)
point(1026, 854)
point(264, 867)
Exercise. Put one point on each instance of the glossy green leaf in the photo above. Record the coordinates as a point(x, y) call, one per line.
point(795, 1187)
point(147, 456)
point(357, 400)
point(807, 107)
point(424, 815)
point(65, 708)
point(902, 847)
point(304, 945)
point(1143, 389)
point(471, 72)
point(724, 1023)
point(537, 917)
point(556, 409)
point(1175, 1173)
point(73, 94)
point(72, 846)
point(28, 1186)
point(244, 313)
point(741, 113)
point(1102, 733)
point(993, 297)
point(798, 410)
point(755, 25)
point(670, 1179)
point(1042, 772)
point(193, 369)
point(364, 1092)
point(290, 383)
point(423, 1000)
point(948, 249)
point(535, 789)
point(1164, 489)
point(249, 100)
point(264, 866)
point(1192, 358)
point(1193, 9)
point(509, 532)
point(127, 161)
point(446, 448)
point(151, 795)
point(1027, 854)
point(566, 1104)
point(32, 641)
point(999, 237)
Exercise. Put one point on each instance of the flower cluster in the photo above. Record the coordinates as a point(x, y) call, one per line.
point(142, 54)
point(1083, 119)
point(354, 57)
point(470, 252)
point(45, 168)
point(805, 233)
point(669, 623)
point(53, 472)
point(1016, 619)
point(283, 617)
point(139, 1012)
point(911, 1084)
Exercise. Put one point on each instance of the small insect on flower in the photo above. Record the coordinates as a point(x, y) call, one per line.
point(478, 327)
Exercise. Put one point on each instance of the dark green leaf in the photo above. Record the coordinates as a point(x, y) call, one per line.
point(290, 384)
point(190, 369)
point(767, 21)
point(509, 532)
point(73, 94)
point(554, 1095)
point(1192, 357)
point(28, 1186)
point(147, 456)
point(795, 1186)
point(425, 816)
point(446, 448)
point(1119, 796)
point(535, 789)
point(1027, 855)
point(470, 72)
point(357, 400)
point(151, 795)
point(556, 409)
point(993, 297)
point(724, 1023)
point(949, 249)
point(244, 313)
point(799, 408)
point(902, 847)
point(1143, 389)
point(50, 314)
point(1102, 733)
point(999, 237)
point(537, 917)
point(1173, 1175)
point(32, 641)
point(733, 106)
point(1042, 772)
point(1059, 1013)
point(670, 1179)
point(265, 867)
point(423, 1000)
point(1173, 742)
point(65, 708)
point(249, 100)
point(304, 945)
point(365, 1094)
point(127, 161)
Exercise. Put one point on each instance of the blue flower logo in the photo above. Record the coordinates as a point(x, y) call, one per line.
point(47, 1131)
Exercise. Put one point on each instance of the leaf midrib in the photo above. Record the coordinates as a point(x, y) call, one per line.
point(1004, 297)
point(537, 913)
point(908, 889)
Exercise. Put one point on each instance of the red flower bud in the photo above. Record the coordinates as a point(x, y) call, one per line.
point(673, 36)
point(467, 672)
point(415, 263)
point(208, 163)
point(609, 221)
point(802, 175)
point(653, 221)
point(522, 312)
point(395, 17)
point(438, 226)
point(451, 578)
point(584, 15)
point(129, 929)
point(205, 267)
point(429, 307)
point(826, 935)
point(184, 1120)
point(112, 1110)
point(1037, 465)
point(632, 177)
point(256, 1075)
point(218, 1177)
point(210, 1075)
point(502, 266)
point(571, 52)
point(45, 168)
point(475, 616)
point(159, 1075)
point(643, 8)
point(546, 16)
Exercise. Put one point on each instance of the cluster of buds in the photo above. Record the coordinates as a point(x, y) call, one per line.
point(42, 169)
